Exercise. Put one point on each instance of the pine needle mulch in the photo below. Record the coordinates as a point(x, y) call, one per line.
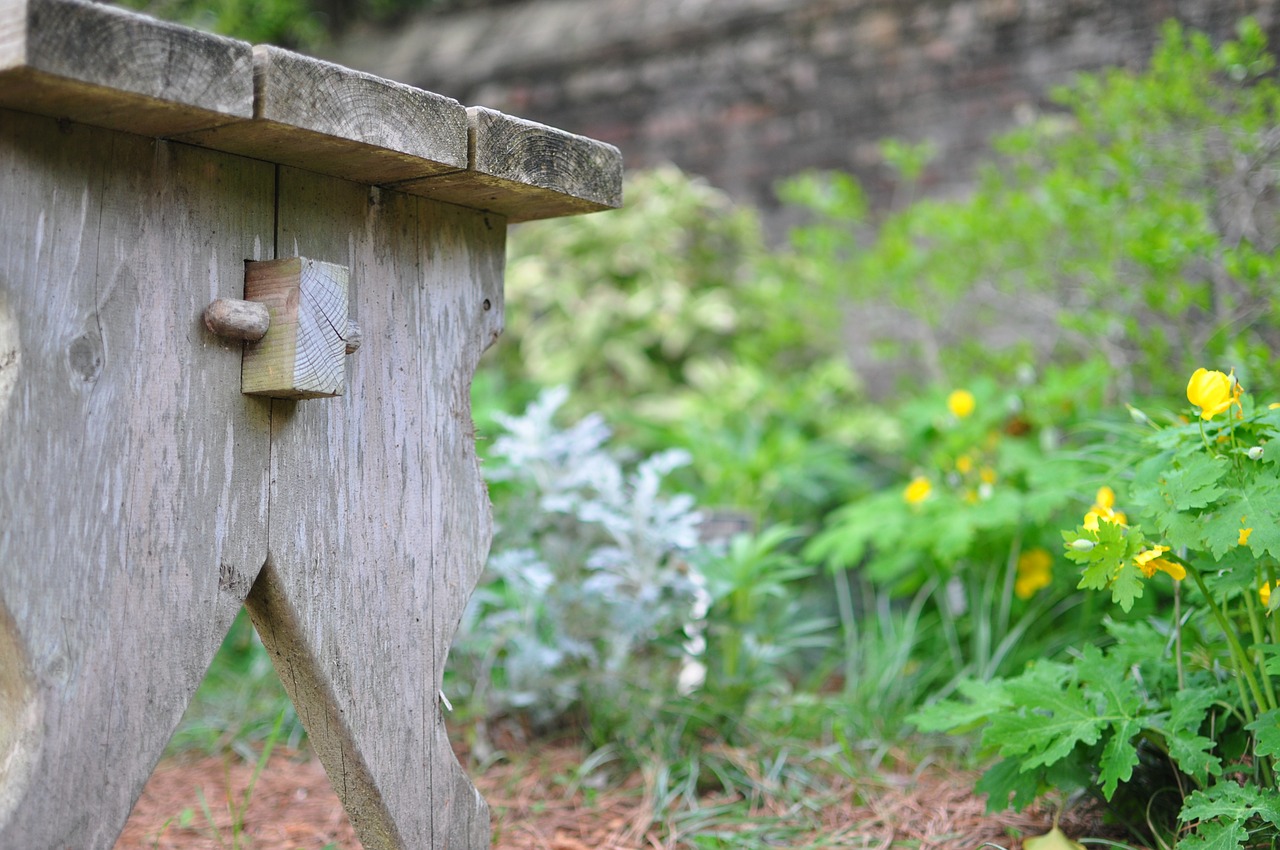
point(541, 801)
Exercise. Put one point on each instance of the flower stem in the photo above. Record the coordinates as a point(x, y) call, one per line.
point(1243, 668)
point(1205, 438)
point(1255, 626)
point(1177, 634)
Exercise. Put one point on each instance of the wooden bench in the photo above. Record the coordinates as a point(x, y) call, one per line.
point(152, 480)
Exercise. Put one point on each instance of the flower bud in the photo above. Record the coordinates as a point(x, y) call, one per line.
point(1255, 453)
point(1080, 544)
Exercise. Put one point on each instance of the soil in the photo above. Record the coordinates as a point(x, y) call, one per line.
point(536, 807)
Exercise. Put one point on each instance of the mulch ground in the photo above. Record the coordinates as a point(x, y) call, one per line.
point(293, 807)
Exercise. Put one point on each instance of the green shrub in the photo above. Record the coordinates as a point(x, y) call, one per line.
point(670, 319)
point(1137, 225)
point(1148, 214)
point(1189, 691)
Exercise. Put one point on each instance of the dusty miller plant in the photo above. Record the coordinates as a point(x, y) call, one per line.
point(587, 591)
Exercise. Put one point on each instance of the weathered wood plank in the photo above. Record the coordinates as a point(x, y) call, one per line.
point(526, 170)
point(107, 67)
point(132, 469)
point(398, 535)
point(336, 121)
point(111, 68)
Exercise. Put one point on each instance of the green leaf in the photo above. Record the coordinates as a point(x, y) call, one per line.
point(1127, 586)
point(1215, 836)
point(880, 520)
point(985, 699)
point(1270, 652)
point(1052, 719)
point(1223, 800)
point(1269, 809)
point(1103, 676)
point(953, 533)
point(1223, 810)
point(1188, 709)
point(1267, 730)
point(1182, 530)
point(1255, 508)
point(1193, 754)
point(1195, 484)
point(1108, 564)
point(1119, 757)
point(1190, 750)
point(1007, 785)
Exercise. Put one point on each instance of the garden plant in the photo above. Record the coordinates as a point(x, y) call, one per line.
point(1047, 556)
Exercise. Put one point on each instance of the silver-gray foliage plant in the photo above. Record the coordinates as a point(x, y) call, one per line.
point(589, 586)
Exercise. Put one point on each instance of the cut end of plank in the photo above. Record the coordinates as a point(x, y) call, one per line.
point(303, 355)
point(525, 170)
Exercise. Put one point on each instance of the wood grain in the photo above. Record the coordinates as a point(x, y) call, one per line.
point(333, 120)
point(368, 576)
point(303, 354)
point(132, 470)
point(525, 170)
point(107, 67)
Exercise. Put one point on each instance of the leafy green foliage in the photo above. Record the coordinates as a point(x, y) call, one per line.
point(636, 305)
point(755, 622)
point(1139, 224)
point(240, 704)
point(670, 319)
point(288, 23)
point(1132, 655)
point(1197, 487)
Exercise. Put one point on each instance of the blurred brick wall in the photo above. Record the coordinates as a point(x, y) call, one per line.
point(747, 91)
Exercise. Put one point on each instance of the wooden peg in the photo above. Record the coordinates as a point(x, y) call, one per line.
point(236, 319)
point(302, 355)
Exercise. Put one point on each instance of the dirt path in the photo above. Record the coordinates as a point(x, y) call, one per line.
point(292, 807)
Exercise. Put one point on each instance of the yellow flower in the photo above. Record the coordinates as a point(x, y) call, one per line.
point(987, 474)
point(1103, 504)
point(1213, 392)
point(1034, 572)
point(1149, 560)
point(1264, 593)
point(1244, 537)
point(964, 464)
point(961, 403)
point(918, 490)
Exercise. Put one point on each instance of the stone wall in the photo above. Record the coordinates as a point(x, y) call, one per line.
point(747, 91)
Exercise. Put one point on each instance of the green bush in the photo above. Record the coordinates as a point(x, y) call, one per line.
point(1190, 692)
point(299, 24)
point(670, 319)
point(1148, 212)
point(1137, 225)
